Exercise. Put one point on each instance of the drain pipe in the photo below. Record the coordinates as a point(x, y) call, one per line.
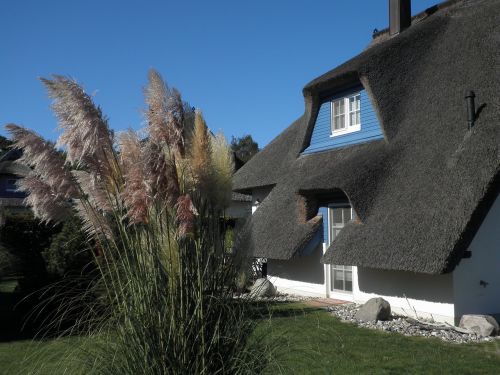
point(471, 108)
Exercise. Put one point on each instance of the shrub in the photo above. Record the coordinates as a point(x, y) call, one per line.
point(152, 207)
point(24, 238)
point(69, 252)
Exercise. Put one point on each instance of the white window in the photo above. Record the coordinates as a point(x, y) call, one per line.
point(341, 276)
point(11, 185)
point(346, 114)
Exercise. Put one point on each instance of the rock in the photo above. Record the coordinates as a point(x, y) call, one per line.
point(484, 325)
point(262, 288)
point(374, 309)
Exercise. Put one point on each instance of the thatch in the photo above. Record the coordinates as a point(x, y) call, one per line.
point(422, 192)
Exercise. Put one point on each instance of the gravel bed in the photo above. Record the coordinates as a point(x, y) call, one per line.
point(404, 326)
point(280, 297)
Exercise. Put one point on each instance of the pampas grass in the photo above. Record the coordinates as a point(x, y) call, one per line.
point(153, 209)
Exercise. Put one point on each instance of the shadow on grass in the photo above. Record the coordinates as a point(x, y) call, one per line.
point(12, 314)
point(25, 316)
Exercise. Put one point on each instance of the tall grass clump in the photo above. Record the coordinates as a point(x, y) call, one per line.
point(152, 208)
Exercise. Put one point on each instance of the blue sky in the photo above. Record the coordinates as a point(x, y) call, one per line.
point(243, 63)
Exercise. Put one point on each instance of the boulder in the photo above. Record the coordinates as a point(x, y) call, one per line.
point(374, 309)
point(262, 288)
point(484, 325)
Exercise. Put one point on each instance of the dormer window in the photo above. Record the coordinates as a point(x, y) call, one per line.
point(339, 119)
point(346, 114)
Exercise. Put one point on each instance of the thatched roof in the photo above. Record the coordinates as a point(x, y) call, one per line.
point(422, 192)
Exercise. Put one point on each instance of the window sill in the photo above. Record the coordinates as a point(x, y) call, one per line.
point(352, 129)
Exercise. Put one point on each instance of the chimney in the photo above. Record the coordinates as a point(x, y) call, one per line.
point(399, 16)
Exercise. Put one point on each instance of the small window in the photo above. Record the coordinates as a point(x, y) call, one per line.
point(11, 185)
point(341, 278)
point(346, 114)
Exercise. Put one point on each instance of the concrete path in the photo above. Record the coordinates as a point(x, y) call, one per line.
point(324, 302)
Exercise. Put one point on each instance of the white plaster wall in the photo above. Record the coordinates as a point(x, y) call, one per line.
point(409, 293)
point(430, 296)
point(303, 275)
point(259, 194)
point(471, 297)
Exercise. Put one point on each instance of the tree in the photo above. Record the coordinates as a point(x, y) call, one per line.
point(24, 238)
point(244, 147)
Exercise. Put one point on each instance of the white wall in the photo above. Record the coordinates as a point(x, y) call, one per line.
point(303, 275)
point(431, 296)
point(471, 297)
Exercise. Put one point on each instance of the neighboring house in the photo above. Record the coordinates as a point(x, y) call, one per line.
point(381, 188)
point(11, 171)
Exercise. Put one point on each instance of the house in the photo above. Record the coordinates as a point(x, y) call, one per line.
point(388, 184)
point(11, 199)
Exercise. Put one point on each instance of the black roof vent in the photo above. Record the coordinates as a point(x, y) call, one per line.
point(399, 15)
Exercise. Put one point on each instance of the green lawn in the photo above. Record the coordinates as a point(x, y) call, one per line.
point(314, 342)
point(306, 341)
point(42, 357)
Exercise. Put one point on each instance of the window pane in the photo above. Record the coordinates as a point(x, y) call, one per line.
point(334, 233)
point(352, 118)
point(336, 123)
point(347, 215)
point(348, 276)
point(348, 281)
point(341, 122)
point(338, 279)
point(358, 120)
point(338, 107)
point(337, 215)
